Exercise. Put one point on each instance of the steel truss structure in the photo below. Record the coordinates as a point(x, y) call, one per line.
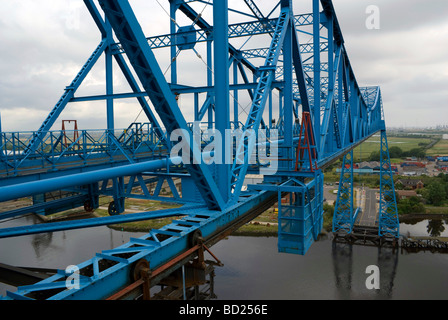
point(282, 80)
point(345, 216)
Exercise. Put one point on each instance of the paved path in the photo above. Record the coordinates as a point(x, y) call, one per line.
point(369, 206)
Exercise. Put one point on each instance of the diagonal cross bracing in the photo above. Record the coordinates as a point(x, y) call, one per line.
point(246, 144)
point(130, 34)
point(65, 98)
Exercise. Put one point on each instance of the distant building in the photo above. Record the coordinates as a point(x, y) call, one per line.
point(413, 164)
point(360, 171)
point(375, 165)
point(442, 164)
point(411, 183)
point(406, 194)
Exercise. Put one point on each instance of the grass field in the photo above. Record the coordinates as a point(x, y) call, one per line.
point(439, 149)
point(363, 151)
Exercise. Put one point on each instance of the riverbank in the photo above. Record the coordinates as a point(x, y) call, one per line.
point(266, 224)
point(410, 217)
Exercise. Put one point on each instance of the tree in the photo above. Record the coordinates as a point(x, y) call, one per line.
point(415, 152)
point(395, 152)
point(435, 228)
point(436, 192)
point(411, 205)
point(328, 209)
point(375, 156)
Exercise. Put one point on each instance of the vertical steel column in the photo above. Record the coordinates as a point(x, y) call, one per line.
point(288, 91)
point(340, 99)
point(316, 61)
point(280, 110)
point(109, 80)
point(173, 48)
point(330, 50)
point(235, 94)
point(135, 45)
point(210, 80)
point(331, 138)
point(343, 210)
point(221, 77)
point(389, 224)
point(196, 106)
point(270, 110)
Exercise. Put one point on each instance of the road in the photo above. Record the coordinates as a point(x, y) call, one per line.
point(369, 205)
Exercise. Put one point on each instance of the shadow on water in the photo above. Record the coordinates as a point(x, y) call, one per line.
point(342, 256)
point(424, 227)
point(254, 269)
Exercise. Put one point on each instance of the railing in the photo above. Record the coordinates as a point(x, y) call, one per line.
point(57, 149)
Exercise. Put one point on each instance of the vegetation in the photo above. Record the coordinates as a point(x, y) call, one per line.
point(397, 152)
point(438, 149)
point(139, 205)
point(399, 146)
point(411, 205)
point(436, 191)
point(328, 217)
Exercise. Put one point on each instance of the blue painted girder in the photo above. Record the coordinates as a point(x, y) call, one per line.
point(389, 224)
point(109, 271)
point(65, 98)
point(267, 72)
point(343, 218)
point(142, 59)
point(95, 222)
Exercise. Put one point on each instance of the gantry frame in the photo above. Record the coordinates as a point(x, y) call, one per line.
point(314, 77)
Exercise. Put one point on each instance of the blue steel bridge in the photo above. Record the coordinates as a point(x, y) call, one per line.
point(303, 96)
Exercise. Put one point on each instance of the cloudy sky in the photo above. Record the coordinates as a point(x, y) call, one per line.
point(44, 44)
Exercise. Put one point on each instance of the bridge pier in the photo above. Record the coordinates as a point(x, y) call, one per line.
point(366, 236)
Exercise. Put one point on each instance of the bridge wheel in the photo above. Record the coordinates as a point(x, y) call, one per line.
point(112, 208)
point(140, 265)
point(194, 238)
point(88, 206)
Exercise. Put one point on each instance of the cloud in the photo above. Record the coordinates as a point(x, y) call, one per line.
point(46, 42)
point(406, 57)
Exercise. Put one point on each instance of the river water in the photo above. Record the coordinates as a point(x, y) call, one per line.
point(253, 268)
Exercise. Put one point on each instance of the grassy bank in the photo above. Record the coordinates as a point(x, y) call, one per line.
point(406, 143)
point(439, 149)
point(137, 205)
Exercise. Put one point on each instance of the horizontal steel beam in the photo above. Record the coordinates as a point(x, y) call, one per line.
point(17, 191)
point(177, 89)
point(96, 222)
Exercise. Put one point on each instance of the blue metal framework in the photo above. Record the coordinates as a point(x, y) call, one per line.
point(300, 215)
point(389, 224)
point(313, 77)
point(344, 217)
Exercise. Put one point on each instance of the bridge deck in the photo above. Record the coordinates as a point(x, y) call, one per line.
point(368, 217)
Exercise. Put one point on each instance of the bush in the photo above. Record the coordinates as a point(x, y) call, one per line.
point(436, 193)
point(411, 205)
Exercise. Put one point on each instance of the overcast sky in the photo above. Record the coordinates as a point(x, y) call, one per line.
point(44, 43)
